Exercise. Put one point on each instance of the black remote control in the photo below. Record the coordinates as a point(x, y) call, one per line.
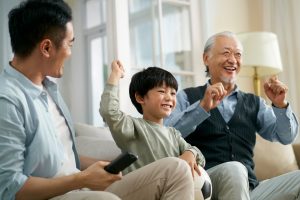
point(121, 162)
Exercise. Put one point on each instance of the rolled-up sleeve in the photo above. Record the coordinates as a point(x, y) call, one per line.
point(186, 117)
point(12, 150)
point(277, 124)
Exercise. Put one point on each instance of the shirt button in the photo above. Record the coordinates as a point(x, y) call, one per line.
point(227, 127)
point(232, 156)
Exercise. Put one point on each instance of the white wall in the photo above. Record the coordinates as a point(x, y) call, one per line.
point(5, 50)
point(74, 81)
point(232, 15)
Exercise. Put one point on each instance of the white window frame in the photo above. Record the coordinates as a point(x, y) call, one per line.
point(194, 35)
point(99, 31)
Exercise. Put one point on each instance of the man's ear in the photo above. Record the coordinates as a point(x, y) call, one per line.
point(205, 59)
point(46, 47)
point(139, 98)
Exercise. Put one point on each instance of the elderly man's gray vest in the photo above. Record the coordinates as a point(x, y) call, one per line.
point(233, 141)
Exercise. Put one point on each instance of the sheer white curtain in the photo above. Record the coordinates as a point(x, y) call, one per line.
point(282, 17)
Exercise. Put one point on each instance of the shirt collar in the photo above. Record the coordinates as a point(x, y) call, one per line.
point(27, 84)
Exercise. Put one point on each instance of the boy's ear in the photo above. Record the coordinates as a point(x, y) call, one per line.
point(139, 98)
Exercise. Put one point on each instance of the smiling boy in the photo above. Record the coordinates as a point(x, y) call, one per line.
point(153, 93)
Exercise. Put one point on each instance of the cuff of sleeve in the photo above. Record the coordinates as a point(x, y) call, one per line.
point(199, 157)
point(281, 108)
point(193, 151)
point(111, 87)
point(281, 111)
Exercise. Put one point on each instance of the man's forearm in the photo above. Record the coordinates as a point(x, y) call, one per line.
point(36, 188)
point(85, 161)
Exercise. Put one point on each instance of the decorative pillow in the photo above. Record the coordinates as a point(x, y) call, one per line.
point(273, 159)
point(92, 131)
point(95, 142)
point(97, 148)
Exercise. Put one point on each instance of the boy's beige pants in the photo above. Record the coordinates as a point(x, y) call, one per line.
point(168, 178)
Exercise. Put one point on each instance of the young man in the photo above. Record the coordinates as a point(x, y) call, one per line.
point(153, 93)
point(38, 158)
point(222, 122)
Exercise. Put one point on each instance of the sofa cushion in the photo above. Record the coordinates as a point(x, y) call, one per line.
point(82, 129)
point(95, 142)
point(273, 159)
point(97, 148)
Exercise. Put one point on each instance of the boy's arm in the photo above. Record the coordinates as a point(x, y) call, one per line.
point(184, 146)
point(190, 154)
point(117, 72)
point(120, 124)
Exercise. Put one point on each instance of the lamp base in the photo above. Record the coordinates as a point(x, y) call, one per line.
point(256, 82)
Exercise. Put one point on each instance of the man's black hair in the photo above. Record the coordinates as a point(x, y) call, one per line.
point(148, 79)
point(34, 20)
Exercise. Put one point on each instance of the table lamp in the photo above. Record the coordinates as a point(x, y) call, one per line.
point(261, 56)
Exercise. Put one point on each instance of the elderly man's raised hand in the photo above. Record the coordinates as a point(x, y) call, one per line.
point(276, 91)
point(213, 95)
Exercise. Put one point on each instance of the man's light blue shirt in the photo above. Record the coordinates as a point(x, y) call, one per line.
point(275, 124)
point(28, 142)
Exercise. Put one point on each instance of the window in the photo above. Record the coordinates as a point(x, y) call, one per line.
point(167, 26)
point(140, 33)
point(96, 41)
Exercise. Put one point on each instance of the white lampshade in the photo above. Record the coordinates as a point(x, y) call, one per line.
point(261, 51)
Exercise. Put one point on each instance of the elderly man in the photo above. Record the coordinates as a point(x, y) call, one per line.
point(222, 122)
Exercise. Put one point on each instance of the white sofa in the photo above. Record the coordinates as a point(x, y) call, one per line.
point(271, 159)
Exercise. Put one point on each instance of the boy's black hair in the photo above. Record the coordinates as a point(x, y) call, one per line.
point(34, 20)
point(147, 79)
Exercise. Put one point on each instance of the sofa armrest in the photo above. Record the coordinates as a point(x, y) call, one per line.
point(296, 148)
